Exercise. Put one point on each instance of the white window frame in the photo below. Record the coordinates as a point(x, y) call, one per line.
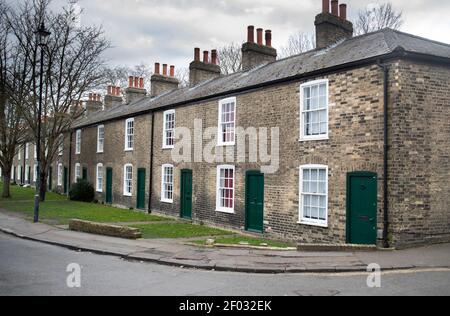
point(61, 145)
point(308, 221)
point(20, 153)
point(78, 174)
point(35, 173)
point(26, 173)
point(100, 141)
point(219, 208)
point(220, 141)
point(19, 173)
point(27, 147)
point(127, 192)
point(127, 135)
point(60, 174)
point(99, 178)
point(164, 183)
point(166, 130)
point(35, 151)
point(303, 136)
point(78, 142)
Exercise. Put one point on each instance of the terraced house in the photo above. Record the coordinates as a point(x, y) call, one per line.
point(359, 128)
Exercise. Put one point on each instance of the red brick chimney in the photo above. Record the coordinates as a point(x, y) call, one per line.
point(135, 90)
point(113, 97)
point(334, 26)
point(256, 54)
point(94, 103)
point(200, 71)
point(161, 84)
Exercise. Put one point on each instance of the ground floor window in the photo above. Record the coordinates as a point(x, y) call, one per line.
point(99, 178)
point(35, 173)
point(60, 174)
point(27, 175)
point(77, 172)
point(225, 189)
point(314, 195)
point(128, 180)
point(167, 184)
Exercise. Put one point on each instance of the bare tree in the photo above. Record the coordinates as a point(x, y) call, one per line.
point(73, 66)
point(298, 43)
point(182, 74)
point(230, 58)
point(12, 127)
point(378, 17)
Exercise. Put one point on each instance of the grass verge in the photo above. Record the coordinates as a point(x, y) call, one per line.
point(178, 230)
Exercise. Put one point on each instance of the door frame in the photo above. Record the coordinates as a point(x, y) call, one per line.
point(367, 174)
point(247, 174)
point(183, 172)
point(138, 196)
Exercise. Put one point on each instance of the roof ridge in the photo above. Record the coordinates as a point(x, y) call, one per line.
point(418, 37)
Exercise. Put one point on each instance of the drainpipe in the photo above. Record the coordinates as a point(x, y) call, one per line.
point(70, 163)
point(385, 155)
point(150, 195)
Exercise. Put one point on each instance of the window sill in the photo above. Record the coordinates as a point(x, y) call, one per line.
point(128, 195)
point(127, 150)
point(167, 201)
point(100, 152)
point(316, 224)
point(226, 144)
point(308, 139)
point(168, 147)
point(225, 210)
point(99, 191)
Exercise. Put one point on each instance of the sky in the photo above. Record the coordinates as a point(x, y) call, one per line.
point(166, 31)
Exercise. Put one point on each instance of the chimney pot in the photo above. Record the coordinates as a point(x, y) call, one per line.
point(172, 71)
point(325, 6)
point(206, 57)
point(117, 91)
point(251, 34)
point(157, 69)
point(259, 36)
point(136, 82)
point(335, 7)
point(109, 90)
point(141, 83)
point(90, 96)
point(214, 56)
point(197, 54)
point(164, 69)
point(269, 38)
point(130, 81)
point(343, 11)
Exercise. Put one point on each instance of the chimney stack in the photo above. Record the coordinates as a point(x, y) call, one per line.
point(332, 27)
point(256, 54)
point(161, 84)
point(136, 90)
point(113, 97)
point(94, 104)
point(200, 71)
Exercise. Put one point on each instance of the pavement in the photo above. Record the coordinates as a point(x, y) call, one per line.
point(172, 252)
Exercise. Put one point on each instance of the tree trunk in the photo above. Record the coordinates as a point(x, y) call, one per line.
point(43, 186)
point(6, 185)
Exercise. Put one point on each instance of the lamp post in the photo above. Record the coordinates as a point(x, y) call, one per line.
point(42, 37)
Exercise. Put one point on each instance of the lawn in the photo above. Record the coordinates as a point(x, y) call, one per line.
point(178, 230)
point(58, 210)
point(237, 240)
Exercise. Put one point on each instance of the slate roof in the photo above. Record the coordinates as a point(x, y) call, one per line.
point(347, 51)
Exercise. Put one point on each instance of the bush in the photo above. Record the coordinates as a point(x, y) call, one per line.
point(82, 191)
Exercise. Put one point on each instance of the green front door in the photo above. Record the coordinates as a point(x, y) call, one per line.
point(141, 190)
point(109, 181)
point(66, 179)
point(85, 174)
point(186, 194)
point(362, 208)
point(254, 201)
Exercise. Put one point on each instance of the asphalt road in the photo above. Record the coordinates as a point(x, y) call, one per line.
point(30, 268)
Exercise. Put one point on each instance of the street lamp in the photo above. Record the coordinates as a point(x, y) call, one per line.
point(42, 37)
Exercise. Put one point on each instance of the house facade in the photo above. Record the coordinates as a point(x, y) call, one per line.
point(348, 143)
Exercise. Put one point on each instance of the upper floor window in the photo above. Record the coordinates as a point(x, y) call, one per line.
point(128, 180)
point(35, 173)
point(60, 174)
point(167, 184)
point(78, 142)
point(129, 134)
point(227, 122)
point(99, 185)
point(225, 189)
point(100, 138)
point(314, 195)
point(314, 110)
point(61, 145)
point(169, 129)
point(35, 151)
point(77, 172)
